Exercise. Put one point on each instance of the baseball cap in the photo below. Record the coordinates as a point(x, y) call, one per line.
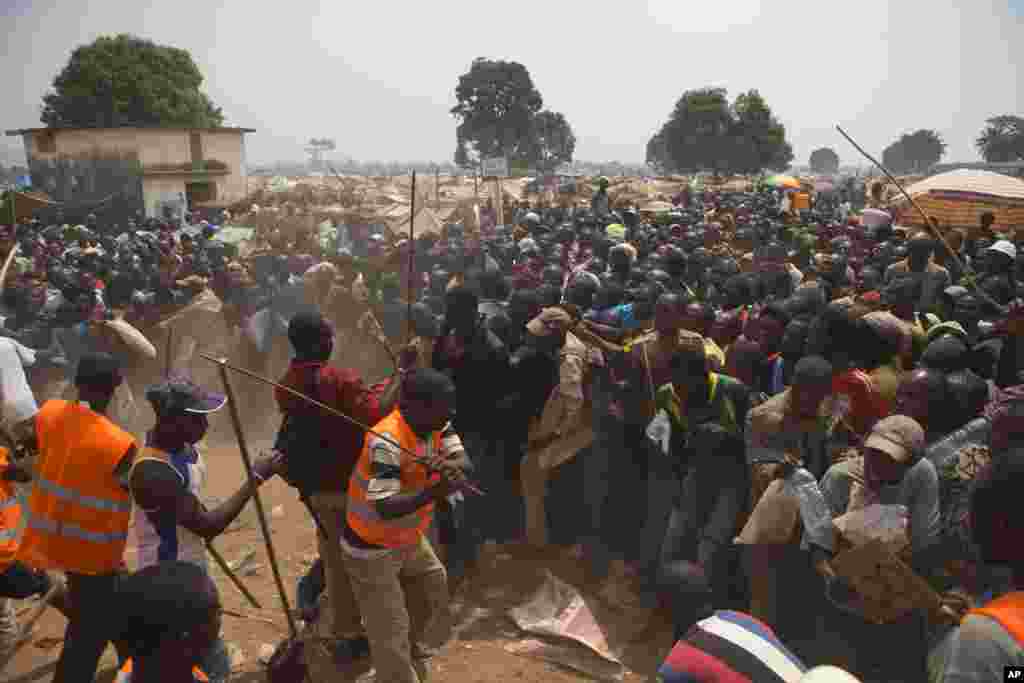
point(1005, 247)
point(550, 321)
point(898, 436)
point(98, 369)
point(182, 395)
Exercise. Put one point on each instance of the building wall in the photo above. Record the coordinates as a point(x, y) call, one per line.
point(228, 148)
point(164, 191)
point(64, 167)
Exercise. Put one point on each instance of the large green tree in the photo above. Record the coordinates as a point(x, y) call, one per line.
point(1002, 139)
point(128, 81)
point(705, 132)
point(824, 160)
point(496, 106)
point(657, 153)
point(553, 141)
point(914, 152)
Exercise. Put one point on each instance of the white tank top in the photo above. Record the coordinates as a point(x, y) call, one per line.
point(172, 542)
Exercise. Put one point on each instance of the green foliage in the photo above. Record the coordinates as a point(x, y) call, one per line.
point(129, 81)
point(1002, 139)
point(497, 104)
point(553, 141)
point(914, 152)
point(824, 160)
point(705, 133)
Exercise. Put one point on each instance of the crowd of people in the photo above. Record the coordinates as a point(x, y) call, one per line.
point(725, 402)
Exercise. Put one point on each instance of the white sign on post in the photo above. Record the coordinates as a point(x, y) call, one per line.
point(495, 167)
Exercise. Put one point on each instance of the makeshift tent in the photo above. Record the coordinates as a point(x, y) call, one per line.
point(233, 234)
point(656, 207)
point(958, 198)
point(426, 221)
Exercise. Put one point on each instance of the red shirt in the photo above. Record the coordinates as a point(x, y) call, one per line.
point(343, 390)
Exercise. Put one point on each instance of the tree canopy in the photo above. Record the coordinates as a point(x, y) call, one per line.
point(705, 133)
point(1002, 139)
point(824, 160)
point(553, 141)
point(914, 152)
point(129, 81)
point(497, 104)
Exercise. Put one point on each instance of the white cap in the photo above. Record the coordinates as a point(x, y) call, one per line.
point(1005, 247)
point(828, 674)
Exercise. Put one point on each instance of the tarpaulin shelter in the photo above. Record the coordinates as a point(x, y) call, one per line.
point(426, 221)
point(958, 198)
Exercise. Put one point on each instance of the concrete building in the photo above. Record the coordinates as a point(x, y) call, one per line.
point(161, 171)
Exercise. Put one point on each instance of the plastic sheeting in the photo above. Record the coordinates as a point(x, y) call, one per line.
point(559, 610)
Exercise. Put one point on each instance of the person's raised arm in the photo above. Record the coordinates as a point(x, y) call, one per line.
point(161, 492)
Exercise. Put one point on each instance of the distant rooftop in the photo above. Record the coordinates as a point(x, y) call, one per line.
point(221, 129)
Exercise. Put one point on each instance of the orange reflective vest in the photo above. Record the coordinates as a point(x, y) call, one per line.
point(1008, 610)
point(125, 674)
point(78, 513)
point(362, 514)
point(10, 516)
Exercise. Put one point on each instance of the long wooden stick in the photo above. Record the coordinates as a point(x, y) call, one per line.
point(228, 572)
point(260, 515)
point(7, 265)
point(412, 257)
point(899, 186)
point(337, 413)
point(26, 630)
point(927, 221)
point(169, 360)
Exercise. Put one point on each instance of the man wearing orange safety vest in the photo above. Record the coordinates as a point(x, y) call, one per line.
point(990, 639)
point(79, 509)
point(391, 500)
point(17, 581)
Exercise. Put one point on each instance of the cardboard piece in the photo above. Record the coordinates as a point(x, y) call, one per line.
point(886, 588)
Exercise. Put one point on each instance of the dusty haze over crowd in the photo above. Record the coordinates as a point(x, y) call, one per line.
point(379, 77)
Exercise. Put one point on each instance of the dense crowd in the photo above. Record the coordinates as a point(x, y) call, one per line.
point(725, 402)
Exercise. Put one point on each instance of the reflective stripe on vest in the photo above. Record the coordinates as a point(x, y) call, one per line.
point(74, 531)
point(78, 512)
point(10, 517)
point(85, 501)
point(362, 515)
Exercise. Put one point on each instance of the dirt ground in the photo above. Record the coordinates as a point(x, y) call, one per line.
point(476, 632)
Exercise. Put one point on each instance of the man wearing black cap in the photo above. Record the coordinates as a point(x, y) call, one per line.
point(167, 479)
point(79, 509)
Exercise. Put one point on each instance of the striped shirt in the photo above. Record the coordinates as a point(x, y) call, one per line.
point(730, 647)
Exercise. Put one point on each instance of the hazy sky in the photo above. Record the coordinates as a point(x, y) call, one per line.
point(379, 77)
